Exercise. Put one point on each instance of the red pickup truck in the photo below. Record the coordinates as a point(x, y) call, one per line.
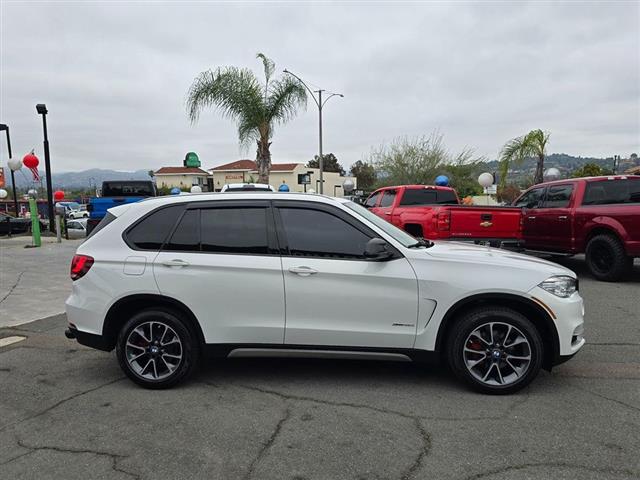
point(598, 216)
point(435, 213)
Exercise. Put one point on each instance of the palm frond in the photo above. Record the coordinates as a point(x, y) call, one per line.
point(234, 91)
point(269, 68)
point(286, 96)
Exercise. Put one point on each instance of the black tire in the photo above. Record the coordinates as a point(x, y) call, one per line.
point(607, 259)
point(189, 348)
point(468, 323)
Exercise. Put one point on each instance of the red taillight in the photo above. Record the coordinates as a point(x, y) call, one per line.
point(80, 265)
point(444, 220)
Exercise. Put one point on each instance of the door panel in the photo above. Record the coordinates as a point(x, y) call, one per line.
point(532, 232)
point(334, 295)
point(351, 303)
point(222, 263)
point(236, 298)
point(554, 219)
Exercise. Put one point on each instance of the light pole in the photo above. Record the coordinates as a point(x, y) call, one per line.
point(41, 108)
point(320, 103)
point(13, 178)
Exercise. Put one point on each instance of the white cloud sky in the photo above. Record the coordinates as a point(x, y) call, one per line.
point(114, 76)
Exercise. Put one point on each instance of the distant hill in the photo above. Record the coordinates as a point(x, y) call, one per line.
point(78, 180)
point(565, 163)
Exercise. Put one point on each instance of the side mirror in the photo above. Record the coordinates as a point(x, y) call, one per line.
point(376, 249)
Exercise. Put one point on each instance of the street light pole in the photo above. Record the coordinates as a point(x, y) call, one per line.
point(13, 178)
point(41, 108)
point(320, 105)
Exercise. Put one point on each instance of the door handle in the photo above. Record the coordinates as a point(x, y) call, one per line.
point(387, 213)
point(303, 271)
point(176, 262)
point(531, 218)
point(562, 217)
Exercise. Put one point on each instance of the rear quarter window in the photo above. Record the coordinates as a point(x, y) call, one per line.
point(612, 192)
point(152, 231)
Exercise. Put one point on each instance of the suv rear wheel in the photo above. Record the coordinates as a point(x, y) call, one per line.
point(495, 350)
point(156, 349)
point(607, 259)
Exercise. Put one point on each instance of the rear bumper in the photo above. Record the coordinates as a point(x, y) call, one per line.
point(88, 339)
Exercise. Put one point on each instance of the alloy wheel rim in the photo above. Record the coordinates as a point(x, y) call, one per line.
point(153, 350)
point(497, 354)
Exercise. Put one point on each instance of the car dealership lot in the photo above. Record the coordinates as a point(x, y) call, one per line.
point(68, 412)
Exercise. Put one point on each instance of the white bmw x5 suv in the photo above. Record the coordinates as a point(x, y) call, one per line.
point(168, 281)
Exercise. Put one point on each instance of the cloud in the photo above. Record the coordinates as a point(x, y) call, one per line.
point(115, 75)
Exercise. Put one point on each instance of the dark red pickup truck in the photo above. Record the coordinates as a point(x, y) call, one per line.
point(598, 216)
point(435, 213)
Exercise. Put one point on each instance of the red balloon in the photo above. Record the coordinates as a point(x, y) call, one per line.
point(58, 195)
point(30, 161)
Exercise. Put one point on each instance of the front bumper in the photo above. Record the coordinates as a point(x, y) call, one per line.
point(568, 316)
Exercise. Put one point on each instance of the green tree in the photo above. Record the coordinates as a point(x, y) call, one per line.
point(463, 175)
point(329, 163)
point(365, 173)
point(515, 151)
point(256, 107)
point(590, 170)
point(416, 160)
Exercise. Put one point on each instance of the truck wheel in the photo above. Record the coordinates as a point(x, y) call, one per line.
point(414, 230)
point(156, 349)
point(495, 350)
point(607, 259)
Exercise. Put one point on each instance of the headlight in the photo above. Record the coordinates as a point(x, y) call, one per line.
point(561, 285)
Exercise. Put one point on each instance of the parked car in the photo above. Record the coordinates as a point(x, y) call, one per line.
point(117, 192)
point(68, 206)
point(247, 187)
point(436, 213)
point(77, 228)
point(166, 280)
point(598, 216)
point(80, 212)
point(13, 225)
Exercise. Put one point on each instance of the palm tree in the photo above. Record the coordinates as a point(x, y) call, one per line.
point(533, 144)
point(256, 107)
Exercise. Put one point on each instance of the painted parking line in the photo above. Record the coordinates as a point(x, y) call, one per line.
point(10, 340)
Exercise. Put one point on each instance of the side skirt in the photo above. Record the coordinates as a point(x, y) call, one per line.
point(225, 350)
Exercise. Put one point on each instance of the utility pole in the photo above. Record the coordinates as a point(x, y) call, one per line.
point(320, 103)
point(41, 108)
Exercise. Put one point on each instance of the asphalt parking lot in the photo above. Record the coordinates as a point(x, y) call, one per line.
point(68, 412)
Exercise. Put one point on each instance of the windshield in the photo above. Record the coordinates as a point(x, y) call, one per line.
point(401, 236)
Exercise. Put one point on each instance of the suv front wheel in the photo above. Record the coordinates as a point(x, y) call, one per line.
point(156, 349)
point(495, 350)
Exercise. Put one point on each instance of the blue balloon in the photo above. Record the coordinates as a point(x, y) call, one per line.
point(283, 188)
point(442, 180)
point(175, 191)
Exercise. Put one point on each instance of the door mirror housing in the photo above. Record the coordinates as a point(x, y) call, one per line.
point(376, 249)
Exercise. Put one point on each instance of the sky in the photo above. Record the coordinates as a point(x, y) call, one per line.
point(114, 76)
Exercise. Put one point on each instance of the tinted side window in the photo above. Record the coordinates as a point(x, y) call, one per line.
point(314, 233)
point(415, 197)
point(127, 189)
point(609, 192)
point(558, 196)
point(447, 197)
point(234, 230)
point(387, 198)
point(152, 231)
point(186, 236)
point(372, 200)
point(531, 199)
